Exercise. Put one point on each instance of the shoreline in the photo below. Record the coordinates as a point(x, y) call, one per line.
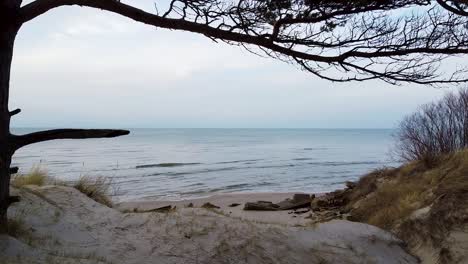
point(284, 217)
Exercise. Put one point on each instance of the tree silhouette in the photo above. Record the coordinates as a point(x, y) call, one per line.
point(395, 41)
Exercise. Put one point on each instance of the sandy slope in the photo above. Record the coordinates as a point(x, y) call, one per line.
point(64, 226)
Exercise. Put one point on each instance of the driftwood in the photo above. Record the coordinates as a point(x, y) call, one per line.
point(298, 201)
point(163, 209)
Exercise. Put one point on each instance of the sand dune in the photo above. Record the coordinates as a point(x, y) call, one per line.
point(61, 225)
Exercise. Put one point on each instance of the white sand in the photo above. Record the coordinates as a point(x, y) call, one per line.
point(64, 226)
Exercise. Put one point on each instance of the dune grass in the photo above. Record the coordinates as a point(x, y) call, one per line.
point(391, 198)
point(16, 227)
point(100, 188)
point(36, 176)
point(97, 188)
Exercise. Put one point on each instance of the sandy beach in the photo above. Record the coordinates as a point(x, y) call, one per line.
point(286, 217)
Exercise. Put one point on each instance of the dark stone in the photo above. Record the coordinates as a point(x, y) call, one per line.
point(210, 206)
point(261, 206)
point(234, 204)
point(330, 201)
point(301, 197)
point(298, 201)
point(301, 211)
point(350, 184)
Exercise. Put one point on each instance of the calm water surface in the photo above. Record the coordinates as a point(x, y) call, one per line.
point(183, 163)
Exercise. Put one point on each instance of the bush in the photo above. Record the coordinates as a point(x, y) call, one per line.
point(99, 189)
point(435, 129)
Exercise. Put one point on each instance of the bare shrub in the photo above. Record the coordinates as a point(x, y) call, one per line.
point(435, 129)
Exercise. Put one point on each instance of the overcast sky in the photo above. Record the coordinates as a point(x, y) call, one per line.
point(77, 67)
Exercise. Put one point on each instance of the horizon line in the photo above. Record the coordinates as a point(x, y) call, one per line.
point(120, 127)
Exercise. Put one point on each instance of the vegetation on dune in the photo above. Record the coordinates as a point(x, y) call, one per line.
point(422, 205)
point(425, 200)
point(16, 228)
point(435, 129)
point(97, 188)
point(387, 197)
point(100, 188)
point(36, 176)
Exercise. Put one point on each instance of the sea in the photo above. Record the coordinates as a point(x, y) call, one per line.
point(173, 164)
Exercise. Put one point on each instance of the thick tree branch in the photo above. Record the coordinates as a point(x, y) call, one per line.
point(39, 7)
point(13, 199)
point(36, 137)
point(452, 9)
point(369, 39)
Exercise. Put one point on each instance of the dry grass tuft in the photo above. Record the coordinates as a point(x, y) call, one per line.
point(368, 183)
point(37, 176)
point(388, 205)
point(16, 228)
point(100, 189)
point(384, 196)
point(97, 188)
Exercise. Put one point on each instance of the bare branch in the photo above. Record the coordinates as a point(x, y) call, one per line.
point(36, 137)
point(15, 112)
point(14, 170)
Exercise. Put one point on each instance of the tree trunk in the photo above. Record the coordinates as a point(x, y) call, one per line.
point(8, 31)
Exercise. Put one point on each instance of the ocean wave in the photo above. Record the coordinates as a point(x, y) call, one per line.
point(238, 161)
point(203, 171)
point(195, 184)
point(230, 187)
point(333, 163)
point(238, 187)
point(165, 165)
point(316, 148)
point(173, 174)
